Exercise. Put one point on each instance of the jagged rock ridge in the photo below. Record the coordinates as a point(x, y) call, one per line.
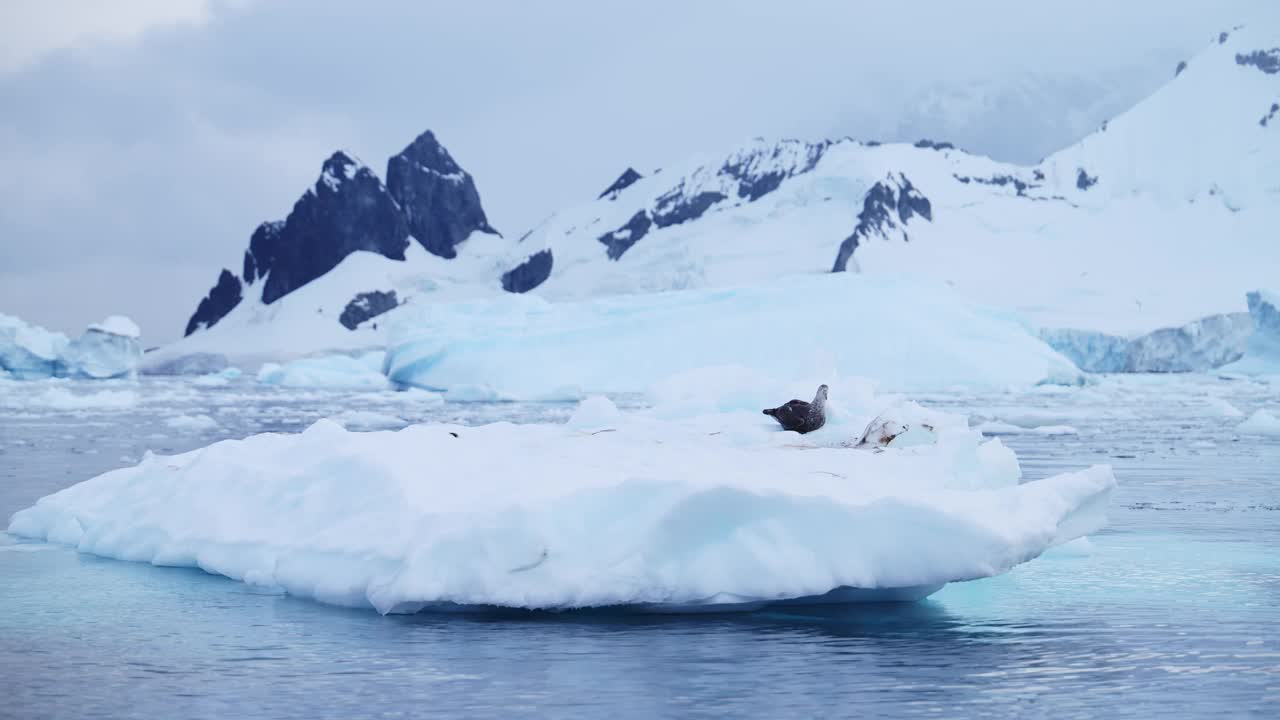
point(428, 197)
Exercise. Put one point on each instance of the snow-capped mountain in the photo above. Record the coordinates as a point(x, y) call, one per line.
point(1163, 216)
point(351, 249)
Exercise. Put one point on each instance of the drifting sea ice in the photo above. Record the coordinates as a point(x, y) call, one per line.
point(669, 508)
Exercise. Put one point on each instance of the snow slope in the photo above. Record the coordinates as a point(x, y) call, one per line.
point(906, 334)
point(306, 321)
point(1163, 216)
point(711, 512)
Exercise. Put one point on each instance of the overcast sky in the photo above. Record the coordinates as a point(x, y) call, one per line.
point(144, 140)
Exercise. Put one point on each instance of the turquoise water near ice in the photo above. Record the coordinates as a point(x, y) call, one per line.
point(1171, 612)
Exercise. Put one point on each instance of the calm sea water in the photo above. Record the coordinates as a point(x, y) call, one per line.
point(1173, 612)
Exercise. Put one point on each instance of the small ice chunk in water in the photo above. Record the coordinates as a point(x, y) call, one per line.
point(1261, 422)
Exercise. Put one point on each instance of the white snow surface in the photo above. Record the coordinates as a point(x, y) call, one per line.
point(661, 509)
point(909, 335)
point(306, 321)
point(118, 325)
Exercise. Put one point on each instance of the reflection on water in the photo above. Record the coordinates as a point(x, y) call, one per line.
point(1170, 612)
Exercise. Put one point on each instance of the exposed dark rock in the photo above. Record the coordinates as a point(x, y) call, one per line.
point(760, 172)
point(1019, 185)
point(1222, 37)
point(1038, 174)
point(439, 199)
point(756, 171)
point(1266, 119)
point(674, 207)
point(1084, 180)
point(624, 237)
point(529, 274)
point(872, 143)
point(624, 181)
point(889, 197)
point(262, 250)
point(927, 143)
point(348, 209)
point(1178, 70)
point(367, 305)
point(224, 296)
point(1268, 61)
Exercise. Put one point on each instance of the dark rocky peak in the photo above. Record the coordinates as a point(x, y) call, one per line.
point(624, 181)
point(1182, 65)
point(437, 197)
point(1268, 61)
point(225, 295)
point(262, 250)
point(761, 168)
point(347, 210)
point(886, 209)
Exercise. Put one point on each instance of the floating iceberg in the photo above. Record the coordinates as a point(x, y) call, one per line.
point(1201, 345)
point(328, 371)
point(1261, 422)
point(1262, 356)
point(28, 351)
point(196, 363)
point(108, 349)
point(705, 512)
point(909, 335)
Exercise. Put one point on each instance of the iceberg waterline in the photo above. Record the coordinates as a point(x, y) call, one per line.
point(691, 511)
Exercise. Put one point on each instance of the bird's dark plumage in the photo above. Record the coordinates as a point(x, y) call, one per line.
point(800, 416)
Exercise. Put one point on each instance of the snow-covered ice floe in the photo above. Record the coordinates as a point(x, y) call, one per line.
point(669, 509)
point(909, 334)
